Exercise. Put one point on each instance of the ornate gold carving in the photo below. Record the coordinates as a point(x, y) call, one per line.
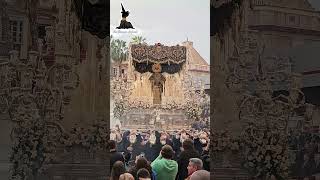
point(156, 68)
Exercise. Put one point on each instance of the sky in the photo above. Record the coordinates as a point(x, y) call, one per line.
point(169, 22)
point(315, 4)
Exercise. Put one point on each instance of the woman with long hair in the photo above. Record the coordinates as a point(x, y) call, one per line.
point(141, 162)
point(117, 169)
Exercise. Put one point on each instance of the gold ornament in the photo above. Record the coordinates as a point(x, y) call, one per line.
point(156, 68)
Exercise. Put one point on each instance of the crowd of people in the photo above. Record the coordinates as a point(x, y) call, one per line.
point(160, 155)
point(306, 149)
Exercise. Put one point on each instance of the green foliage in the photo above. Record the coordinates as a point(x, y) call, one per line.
point(119, 50)
point(138, 40)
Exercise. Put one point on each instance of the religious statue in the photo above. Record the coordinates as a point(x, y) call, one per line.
point(157, 82)
point(124, 24)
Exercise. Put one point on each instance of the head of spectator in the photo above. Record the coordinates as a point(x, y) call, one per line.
point(117, 169)
point(187, 144)
point(126, 176)
point(195, 164)
point(167, 152)
point(163, 138)
point(112, 145)
point(143, 174)
point(200, 175)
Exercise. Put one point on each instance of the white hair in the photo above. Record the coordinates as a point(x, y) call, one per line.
point(197, 162)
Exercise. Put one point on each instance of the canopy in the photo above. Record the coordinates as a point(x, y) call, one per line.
point(171, 58)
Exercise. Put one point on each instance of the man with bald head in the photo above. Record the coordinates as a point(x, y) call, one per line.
point(200, 175)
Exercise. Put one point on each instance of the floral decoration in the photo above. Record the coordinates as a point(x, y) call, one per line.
point(222, 141)
point(94, 137)
point(266, 152)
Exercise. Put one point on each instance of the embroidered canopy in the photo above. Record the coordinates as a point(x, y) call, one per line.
point(158, 53)
point(171, 58)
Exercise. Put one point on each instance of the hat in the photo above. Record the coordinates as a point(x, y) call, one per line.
point(124, 12)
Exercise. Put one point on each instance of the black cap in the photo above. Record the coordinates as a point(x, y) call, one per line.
point(124, 12)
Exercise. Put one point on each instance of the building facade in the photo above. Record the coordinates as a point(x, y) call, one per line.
point(291, 28)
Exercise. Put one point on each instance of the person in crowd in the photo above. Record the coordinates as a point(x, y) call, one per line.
point(125, 143)
point(200, 175)
point(163, 138)
point(114, 155)
point(118, 168)
point(164, 166)
point(126, 176)
point(147, 146)
point(143, 174)
point(195, 164)
point(156, 146)
point(137, 146)
point(124, 24)
point(183, 160)
point(197, 142)
point(176, 144)
point(205, 156)
point(141, 162)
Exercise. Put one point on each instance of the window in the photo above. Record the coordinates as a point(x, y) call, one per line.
point(16, 29)
point(122, 71)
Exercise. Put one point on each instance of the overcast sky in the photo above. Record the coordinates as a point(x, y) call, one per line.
point(315, 4)
point(167, 21)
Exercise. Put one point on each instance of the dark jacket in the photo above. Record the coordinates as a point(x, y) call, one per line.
point(156, 148)
point(198, 145)
point(137, 147)
point(125, 143)
point(176, 147)
point(114, 157)
point(183, 162)
point(205, 157)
